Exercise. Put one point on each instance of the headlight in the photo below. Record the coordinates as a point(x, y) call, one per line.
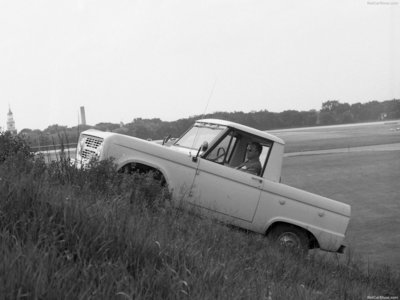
point(98, 151)
point(81, 145)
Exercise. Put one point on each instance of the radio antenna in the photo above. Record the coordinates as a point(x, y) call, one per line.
point(209, 98)
point(195, 138)
point(205, 109)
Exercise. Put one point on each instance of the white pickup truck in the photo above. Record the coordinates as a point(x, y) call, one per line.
point(199, 169)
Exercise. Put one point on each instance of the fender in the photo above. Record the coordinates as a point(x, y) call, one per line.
point(320, 235)
point(281, 219)
point(130, 160)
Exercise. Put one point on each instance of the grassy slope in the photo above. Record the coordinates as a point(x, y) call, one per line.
point(68, 234)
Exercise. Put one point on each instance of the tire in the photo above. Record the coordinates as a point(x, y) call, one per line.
point(132, 168)
point(290, 237)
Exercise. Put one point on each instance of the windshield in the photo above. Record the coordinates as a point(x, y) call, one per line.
point(198, 134)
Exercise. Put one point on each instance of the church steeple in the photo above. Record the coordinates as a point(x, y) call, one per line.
point(11, 122)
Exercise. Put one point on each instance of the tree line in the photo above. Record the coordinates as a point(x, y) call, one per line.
point(331, 112)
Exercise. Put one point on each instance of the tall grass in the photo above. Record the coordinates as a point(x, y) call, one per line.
point(97, 234)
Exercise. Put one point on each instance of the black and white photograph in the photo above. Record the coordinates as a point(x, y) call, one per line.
point(214, 149)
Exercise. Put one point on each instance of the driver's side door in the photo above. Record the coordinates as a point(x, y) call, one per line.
point(222, 189)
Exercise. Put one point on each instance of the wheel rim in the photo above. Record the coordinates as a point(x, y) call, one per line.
point(289, 239)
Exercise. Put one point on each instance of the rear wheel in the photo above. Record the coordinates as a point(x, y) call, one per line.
point(290, 237)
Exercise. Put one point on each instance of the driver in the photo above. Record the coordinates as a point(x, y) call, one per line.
point(252, 163)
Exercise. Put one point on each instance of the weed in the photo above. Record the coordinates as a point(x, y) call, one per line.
point(68, 233)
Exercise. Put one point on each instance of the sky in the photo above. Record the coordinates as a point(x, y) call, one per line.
point(172, 59)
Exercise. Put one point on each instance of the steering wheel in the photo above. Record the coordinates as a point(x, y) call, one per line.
point(220, 154)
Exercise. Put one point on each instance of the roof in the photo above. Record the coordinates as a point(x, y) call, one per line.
point(262, 134)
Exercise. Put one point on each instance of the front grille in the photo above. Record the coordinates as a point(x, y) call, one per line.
point(88, 154)
point(93, 142)
point(90, 146)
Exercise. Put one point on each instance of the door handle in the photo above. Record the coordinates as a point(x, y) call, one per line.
point(257, 179)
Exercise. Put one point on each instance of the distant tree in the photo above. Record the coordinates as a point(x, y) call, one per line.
point(11, 145)
point(293, 118)
point(52, 129)
point(310, 117)
point(122, 130)
point(25, 131)
point(330, 106)
point(334, 112)
point(357, 111)
point(107, 126)
point(326, 118)
point(392, 108)
point(373, 110)
point(347, 117)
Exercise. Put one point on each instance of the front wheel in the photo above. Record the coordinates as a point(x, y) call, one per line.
point(290, 237)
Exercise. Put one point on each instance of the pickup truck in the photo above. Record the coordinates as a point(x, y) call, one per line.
point(199, 168)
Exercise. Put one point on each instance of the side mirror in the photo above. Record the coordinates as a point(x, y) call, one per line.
point(166, 139)
point(202, 148)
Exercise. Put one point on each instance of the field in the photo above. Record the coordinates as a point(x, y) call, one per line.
point(367, 179)
point(363, 170)
point(96, 234)
point(341, 136)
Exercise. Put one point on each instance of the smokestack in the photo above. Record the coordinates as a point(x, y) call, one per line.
point(83, 116)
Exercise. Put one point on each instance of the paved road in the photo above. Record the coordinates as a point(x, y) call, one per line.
point(391, 122)
point(387, 147)
point(53, 155)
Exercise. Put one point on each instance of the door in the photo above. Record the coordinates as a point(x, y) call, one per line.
point(225, 190)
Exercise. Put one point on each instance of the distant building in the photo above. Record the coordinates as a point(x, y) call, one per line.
point(11, 122)
point(318, 121)
point(83, 116)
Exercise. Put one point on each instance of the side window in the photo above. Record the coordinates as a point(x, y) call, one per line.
point(223, 151)
point(264, 153)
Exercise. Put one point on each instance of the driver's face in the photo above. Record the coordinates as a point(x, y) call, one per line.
point(251, 152)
